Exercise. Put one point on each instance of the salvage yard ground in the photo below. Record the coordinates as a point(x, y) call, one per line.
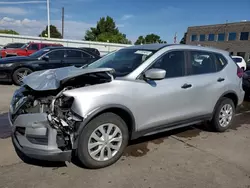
point(190, 157)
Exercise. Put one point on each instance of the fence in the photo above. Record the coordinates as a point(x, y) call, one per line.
point(103, 47)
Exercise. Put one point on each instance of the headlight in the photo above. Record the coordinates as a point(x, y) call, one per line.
point(6, 65)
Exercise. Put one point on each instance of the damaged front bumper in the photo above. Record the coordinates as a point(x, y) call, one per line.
point(33, 136)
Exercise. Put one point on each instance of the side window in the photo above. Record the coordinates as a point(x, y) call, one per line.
point(202, 62)
point(173, 62)
point(44, 45)
point(85, 55)
point(33, 47)
point(221, 62)
point(74, 54)
point(56, 54)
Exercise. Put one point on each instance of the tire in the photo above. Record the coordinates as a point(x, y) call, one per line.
point(86, 138)
point(15, 76)
point(223, 104)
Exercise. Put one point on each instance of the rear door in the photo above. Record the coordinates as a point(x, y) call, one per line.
point(77, 58)
point(206, 75)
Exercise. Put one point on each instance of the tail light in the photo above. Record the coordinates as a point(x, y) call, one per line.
point(239, 72)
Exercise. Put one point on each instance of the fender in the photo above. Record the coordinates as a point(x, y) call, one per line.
point(225, 93)
point(98, 111)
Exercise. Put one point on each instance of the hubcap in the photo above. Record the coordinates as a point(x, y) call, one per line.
point(105, 142)
point(22, 74)
point(226, 114)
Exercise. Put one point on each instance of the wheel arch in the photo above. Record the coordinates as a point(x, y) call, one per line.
point(120, 110)
point(229, 94)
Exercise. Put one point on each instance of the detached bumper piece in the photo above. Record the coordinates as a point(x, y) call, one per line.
point(33, 136)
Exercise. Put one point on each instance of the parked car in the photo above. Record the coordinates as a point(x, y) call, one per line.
point(26, 49)
point(93, 50)
point(133, 92)
point(241, 62)
point(246, 83)
point(13, 69)
point(13, 45)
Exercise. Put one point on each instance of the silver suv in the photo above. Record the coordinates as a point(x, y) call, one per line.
point(136, 91)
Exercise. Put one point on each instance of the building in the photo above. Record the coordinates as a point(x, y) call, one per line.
point(232, 37)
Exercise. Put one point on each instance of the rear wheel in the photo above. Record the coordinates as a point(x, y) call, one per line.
point(19, 74)
point(102, 141)
point(224, 114)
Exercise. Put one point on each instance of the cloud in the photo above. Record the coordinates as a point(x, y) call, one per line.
point(52, 10)
point(21, 2)
point(72, 29)
point(13, 11)
point(127, 16)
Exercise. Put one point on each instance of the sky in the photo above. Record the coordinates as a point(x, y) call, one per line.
point(133, 17)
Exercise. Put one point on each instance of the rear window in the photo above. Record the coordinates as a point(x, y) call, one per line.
point(237, 59)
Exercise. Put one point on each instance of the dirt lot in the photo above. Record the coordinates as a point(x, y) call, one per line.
point(190, 157)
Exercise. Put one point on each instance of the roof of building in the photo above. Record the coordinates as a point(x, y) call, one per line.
point(232, 23)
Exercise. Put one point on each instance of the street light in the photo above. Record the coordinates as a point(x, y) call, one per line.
point(48, 19)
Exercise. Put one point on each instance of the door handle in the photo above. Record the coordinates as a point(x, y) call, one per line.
point(185, 86)
point(220, 79)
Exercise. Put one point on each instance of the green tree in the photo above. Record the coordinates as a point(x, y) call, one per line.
point(106, 31)
point(6, 31)
point(148, 39)
point(183, 40)
point(54, 33)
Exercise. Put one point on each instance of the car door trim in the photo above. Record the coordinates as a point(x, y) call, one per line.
point(170, 126)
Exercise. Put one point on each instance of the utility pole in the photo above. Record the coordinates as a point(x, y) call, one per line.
point(48, 18)
point(62, 22)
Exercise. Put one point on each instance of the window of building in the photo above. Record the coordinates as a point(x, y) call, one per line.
point(202, 37)
point(211, 37)
point(193, 37)
point(221, 36)
point(202, 62)
point(241, 54)
point(231, 53)
point(173, 62)
point(232, 36)
point(244, 35)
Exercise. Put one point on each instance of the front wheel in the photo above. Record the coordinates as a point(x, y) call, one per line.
point(19, 74)
point(102, 141)
point(224, 114)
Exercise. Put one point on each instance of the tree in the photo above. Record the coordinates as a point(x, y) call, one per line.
point(12, 32)
point(183, 40)
point(54, 33)
point(150, 38)
point(106, 31)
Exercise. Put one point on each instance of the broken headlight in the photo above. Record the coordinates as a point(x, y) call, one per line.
point(65, 102)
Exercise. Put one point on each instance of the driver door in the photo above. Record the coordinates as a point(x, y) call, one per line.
point(169, 100)
point(55, 59)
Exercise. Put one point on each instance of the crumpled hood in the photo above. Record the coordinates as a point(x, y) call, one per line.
point(52, 78)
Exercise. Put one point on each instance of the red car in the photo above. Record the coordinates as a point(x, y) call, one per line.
point(26, 49)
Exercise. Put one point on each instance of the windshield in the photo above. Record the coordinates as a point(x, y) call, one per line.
point(39, 53)
point(123, 61)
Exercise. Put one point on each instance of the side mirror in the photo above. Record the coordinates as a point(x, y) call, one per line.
point(155, 74)
point(45, 58)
